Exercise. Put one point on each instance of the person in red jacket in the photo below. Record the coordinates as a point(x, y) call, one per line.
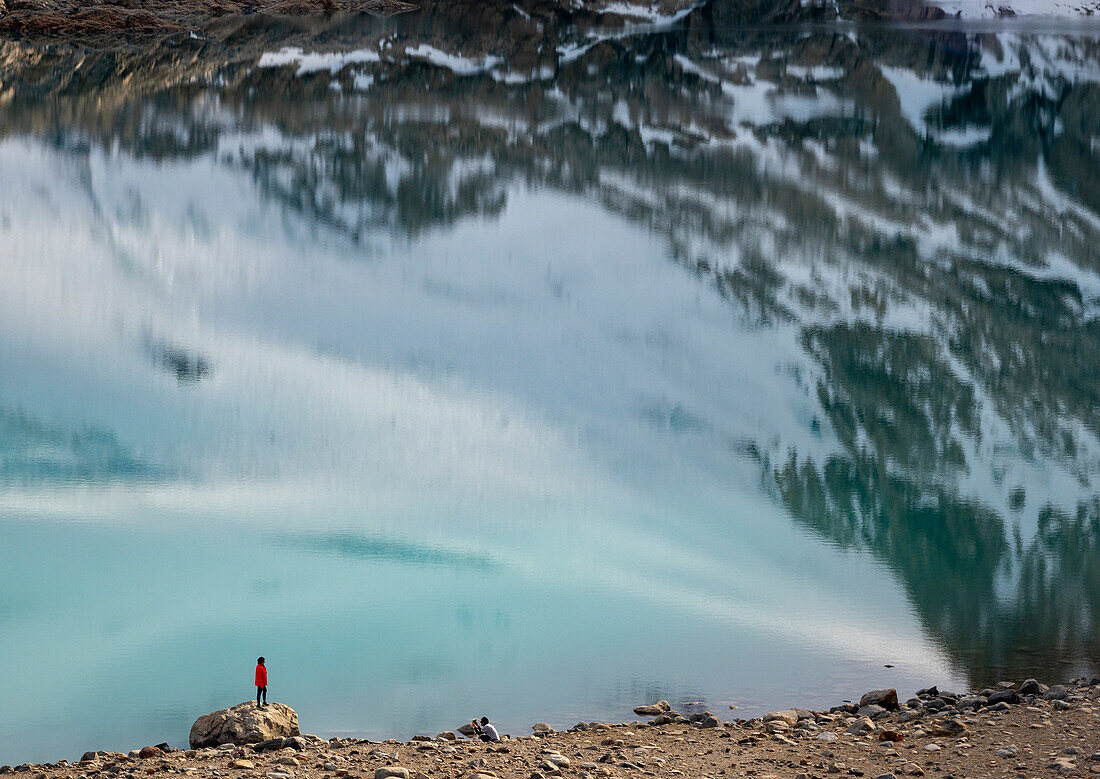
point(261, 682)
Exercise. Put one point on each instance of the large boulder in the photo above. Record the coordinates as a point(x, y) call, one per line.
point(244, 723)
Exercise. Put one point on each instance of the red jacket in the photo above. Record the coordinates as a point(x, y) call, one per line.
point(261, 676)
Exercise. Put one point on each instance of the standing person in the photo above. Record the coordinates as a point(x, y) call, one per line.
point(261, 682)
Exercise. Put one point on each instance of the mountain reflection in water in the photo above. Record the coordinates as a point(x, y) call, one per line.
point(913, 212)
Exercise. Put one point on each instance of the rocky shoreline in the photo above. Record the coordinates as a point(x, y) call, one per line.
point(1025, 729)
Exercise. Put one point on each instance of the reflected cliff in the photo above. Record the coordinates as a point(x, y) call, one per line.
point(919, 205)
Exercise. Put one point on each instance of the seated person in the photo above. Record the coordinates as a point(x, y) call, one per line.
point(485, 730)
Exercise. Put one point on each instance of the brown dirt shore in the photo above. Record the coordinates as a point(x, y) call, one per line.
point(1043, 732)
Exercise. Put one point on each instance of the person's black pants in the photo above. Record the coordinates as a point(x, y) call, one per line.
point(261, 691)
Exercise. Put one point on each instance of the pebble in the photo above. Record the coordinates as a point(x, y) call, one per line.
point(244, 765)
point(1062, 765)
point(391, 772)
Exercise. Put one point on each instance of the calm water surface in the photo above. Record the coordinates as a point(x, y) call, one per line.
point(539, 371)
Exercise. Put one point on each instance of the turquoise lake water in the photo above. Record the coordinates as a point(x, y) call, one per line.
point(545, 374)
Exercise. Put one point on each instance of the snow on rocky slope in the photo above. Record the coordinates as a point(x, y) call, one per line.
point(901, 224)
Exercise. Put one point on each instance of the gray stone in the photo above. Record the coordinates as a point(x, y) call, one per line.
point(269, 745)
point(1032, 687)
point(1007, 751)
point(790, 716)
point(244, 723)
point(391, 772)
point(1056, 693)
point(1004, 696)
point(448, 735)
point(971, 703)
point(887, 699)
point(653, 709)
point(945, 726)
point(860, 727)
point(872, 711)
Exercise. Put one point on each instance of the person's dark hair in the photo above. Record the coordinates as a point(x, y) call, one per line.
point(484, 720)
point(260, 660)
